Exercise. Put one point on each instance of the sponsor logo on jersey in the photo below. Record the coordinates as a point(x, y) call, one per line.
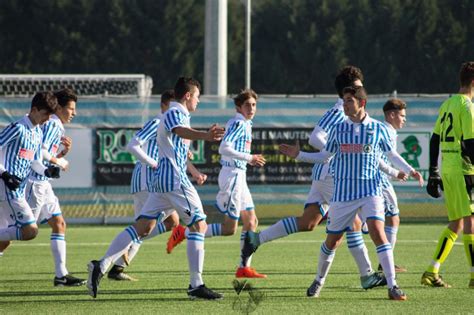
point(26, 154)
point(351, 148)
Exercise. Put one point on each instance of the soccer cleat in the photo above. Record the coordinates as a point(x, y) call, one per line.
point(177, 236)
point(68, 281)
point(433, 280)
point(202, 292)
point(396, 294)
point(95, 275)
point(373, 280)
point(314, 289)
point(471, 284)
point(398, 269)
point(251, 243)
point(248, 272)
point(120, 276)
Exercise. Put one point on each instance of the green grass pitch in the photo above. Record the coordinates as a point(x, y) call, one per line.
point(26, 277)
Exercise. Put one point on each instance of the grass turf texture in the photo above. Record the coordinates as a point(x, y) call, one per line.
point(26, 277)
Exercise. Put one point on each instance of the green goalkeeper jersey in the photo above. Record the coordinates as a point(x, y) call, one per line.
point(455, 123)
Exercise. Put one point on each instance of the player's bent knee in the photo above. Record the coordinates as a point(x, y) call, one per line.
point(29, 233)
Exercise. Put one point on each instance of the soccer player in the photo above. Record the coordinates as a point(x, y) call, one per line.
point(357, 145)
point(454, 133)
point(144, 147)
point(395, 117)
point(20, 152)
point(234, 198)
point(175, 191)
point(315, 208)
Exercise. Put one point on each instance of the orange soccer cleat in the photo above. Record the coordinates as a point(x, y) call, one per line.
point(177, 236)
point(248, 272)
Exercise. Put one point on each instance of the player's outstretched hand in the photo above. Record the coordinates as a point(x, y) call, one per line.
point(52, 171)
point(434, 183)
point(11, 181)
point(402, 176)
point(215, 133)
point(290, 150)
point(258, 160)
point(417, 175)
point(200, 178)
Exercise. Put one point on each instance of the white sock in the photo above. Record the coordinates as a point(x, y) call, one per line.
point(244, 262)
point(11, 233)
point(195, 251)
point(58, 249)
point(118, 247)
point(280, 229)
point(326, 257)
point(214, 229)
point(385, 255)
point(132, 252)
point(391, 233)
point(359, 251)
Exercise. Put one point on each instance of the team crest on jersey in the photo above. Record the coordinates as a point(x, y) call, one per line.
point(367, 148)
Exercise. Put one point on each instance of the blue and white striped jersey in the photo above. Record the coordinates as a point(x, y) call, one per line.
point(332, 117)
point(53, 131)
point(392, 132)
point(358, 148)
point(239, 133)
point(20, 144)
point(142, 176)
point(173, 150)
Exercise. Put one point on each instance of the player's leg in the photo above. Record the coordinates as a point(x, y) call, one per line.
point(468, 230)
point(3, 246)
point(249, 223)
point(24, 227)
point(372, 211)
point(4, 223)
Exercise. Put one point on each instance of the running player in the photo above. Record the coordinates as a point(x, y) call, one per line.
point(234, 198)
point(175, 191)
point(454, 133)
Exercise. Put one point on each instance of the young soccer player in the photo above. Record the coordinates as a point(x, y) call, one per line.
point(175, 191)
point(20, 152)
point(144, 147)
point(234, 198)
point(41, 197)
point(454, 134)
point(321, 191)
point(357, 145)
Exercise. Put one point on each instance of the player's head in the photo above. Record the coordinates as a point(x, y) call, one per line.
point(355, 100)
point(348, 76)
point(395, 112)
point(466, 74)
point(166, 97)
point(187, 91)
point(67, 100)
point(246, 103)
point(42, 106)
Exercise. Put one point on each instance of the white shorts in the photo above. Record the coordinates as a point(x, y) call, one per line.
point(184, 200)
point(234, 194)
point(321, 193)
point(42, 200)
point(391, 202)
point(139, 199)
point(6, 219)
point(342, 214)
point(19, 212)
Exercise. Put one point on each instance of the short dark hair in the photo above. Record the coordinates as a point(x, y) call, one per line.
point(243, 96)
point(45, 100)
point(185, 85)
point(65, 96)
point(346, 77)
point(167, 96)
point(466, 74)
point(394, 104)
point(357, 91)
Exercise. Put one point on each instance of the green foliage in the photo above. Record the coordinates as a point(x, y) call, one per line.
point(297, 46)
point(27, 272)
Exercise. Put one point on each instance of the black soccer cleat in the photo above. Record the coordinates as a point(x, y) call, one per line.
point(68, 281)
point(202, 292)
point(94, 277)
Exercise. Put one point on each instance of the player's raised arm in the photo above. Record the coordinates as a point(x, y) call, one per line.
point(215, 133)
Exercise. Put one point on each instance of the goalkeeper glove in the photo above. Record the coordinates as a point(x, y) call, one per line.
point(435, 185)
point(11, 181)
point(52, 171)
